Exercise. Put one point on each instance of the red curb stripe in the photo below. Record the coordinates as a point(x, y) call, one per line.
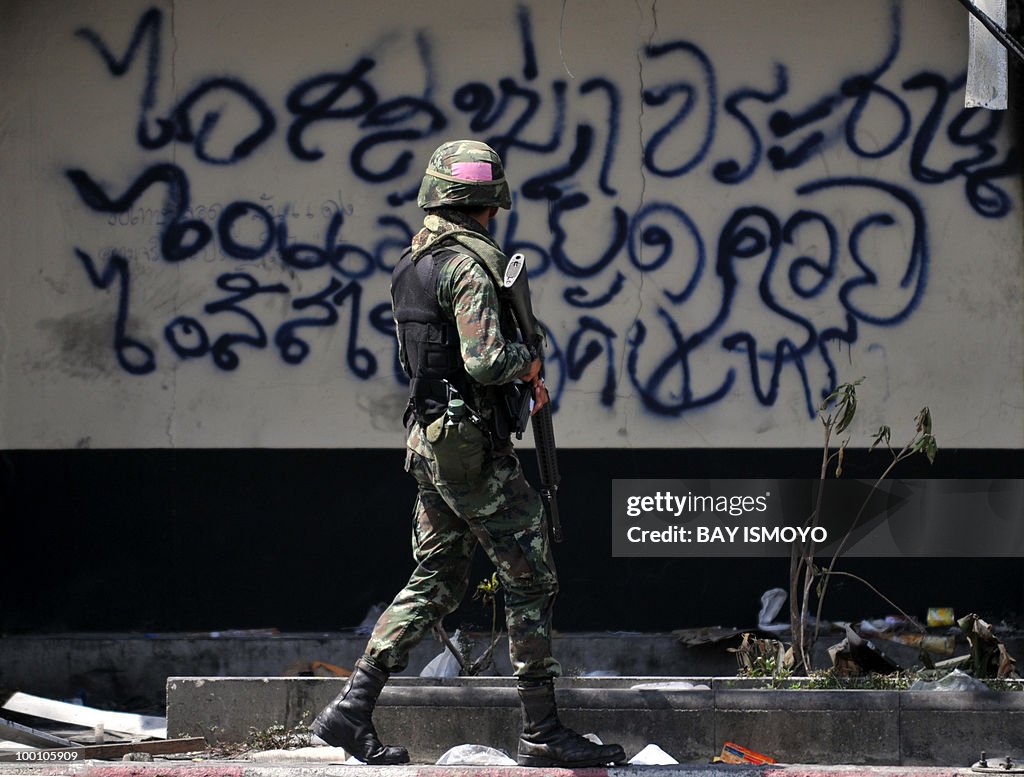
point(840, 770)
point(165, 771)
point(510, 771)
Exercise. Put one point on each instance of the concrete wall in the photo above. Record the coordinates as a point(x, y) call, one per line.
point(728, 208)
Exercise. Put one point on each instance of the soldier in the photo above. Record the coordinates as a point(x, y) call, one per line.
point(457, 344)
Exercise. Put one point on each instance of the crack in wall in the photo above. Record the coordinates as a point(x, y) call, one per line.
point(561, 50)
point(621, 370)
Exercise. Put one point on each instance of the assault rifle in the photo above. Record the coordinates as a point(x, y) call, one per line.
point(516, 289)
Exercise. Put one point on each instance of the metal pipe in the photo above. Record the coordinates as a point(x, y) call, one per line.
point(1010, 43)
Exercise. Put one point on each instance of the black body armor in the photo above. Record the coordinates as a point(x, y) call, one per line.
point(430, 341)
point(432, 355)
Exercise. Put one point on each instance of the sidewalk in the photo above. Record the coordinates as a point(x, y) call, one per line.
point(249, 769)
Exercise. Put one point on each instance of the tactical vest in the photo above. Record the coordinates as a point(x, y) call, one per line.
point(430, 342)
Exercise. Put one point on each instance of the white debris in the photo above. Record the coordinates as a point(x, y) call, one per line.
point(771, 603)
point(954, 681)
point(87, 717)
point(444, 664)
point(673, 685)
point(652, 755)
point(475, 755)
point(325, 755)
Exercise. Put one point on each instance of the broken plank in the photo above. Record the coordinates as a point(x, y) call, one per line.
point(102, 752)
point(31, 736)
point(87, 717)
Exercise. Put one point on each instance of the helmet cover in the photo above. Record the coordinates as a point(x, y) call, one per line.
point(464, 173)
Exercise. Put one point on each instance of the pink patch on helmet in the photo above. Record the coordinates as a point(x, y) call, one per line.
point(472, 171)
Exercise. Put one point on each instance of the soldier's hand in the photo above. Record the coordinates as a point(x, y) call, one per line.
point(533, 373)
point(540, 394)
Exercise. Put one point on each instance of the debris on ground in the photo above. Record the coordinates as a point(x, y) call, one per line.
point(888, 627)
point(771, 604)
point(856, 656)
point(84, 732)
point(306, 668)
point(273, 631)
point(934, 644)
point(475, 755)
point(705, 635)
point(737, 754)
point(989, 657)
point(671, 685)
point(759, 657)
point(652, 755)
point(227, 634)
point(114, 751)
point(324, 754)
point(954, 681)
point(29, 736)
point(445, 663)
point(940, 616)
point(79, 715)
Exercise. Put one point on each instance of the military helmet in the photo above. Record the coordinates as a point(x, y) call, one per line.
point(464, 173)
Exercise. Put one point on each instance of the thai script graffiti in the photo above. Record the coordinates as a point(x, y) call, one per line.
point(812, 278)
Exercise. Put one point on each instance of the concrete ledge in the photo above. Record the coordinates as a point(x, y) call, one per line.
point(922, 728)
point(115, 669)
point(939, 726)
point(118, 670)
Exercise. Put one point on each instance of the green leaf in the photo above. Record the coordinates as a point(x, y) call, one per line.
point(848, 409)
point(884, 434)
point(844, 390)
point(924, 421)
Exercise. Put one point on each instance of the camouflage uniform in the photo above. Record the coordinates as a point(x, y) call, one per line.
point(455, 343)
point(497, 508)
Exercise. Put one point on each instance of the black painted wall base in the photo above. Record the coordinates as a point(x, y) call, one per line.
point(307, 540)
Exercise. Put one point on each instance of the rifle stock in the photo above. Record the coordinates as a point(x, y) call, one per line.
point(516, 289)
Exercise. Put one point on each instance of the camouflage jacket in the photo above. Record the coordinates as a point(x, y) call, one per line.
point(467, 293)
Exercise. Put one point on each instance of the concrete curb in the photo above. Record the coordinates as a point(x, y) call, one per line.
point(875, 728)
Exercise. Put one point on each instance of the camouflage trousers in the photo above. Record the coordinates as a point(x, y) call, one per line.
point(502, 513)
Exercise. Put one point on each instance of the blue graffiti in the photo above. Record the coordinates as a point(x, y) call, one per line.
point(179, 125)
point(786, 267)
point(180, 238)
point(294, 349)
point(662, 95)
point(134, 357)
point(730, 171)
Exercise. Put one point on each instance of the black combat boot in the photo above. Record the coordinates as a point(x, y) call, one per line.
point(546, 742)
point(345, 722)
